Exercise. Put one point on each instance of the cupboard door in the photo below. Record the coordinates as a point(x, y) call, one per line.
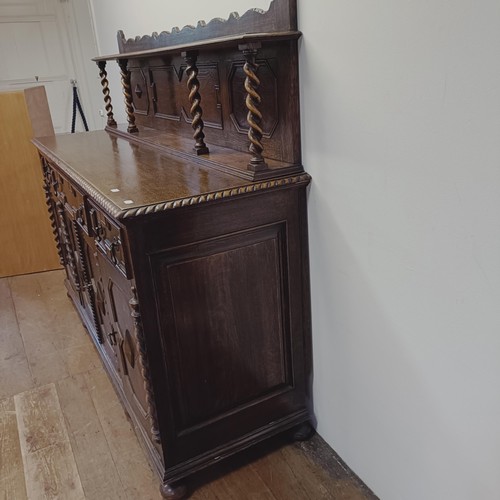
point(224, 321)
point(122, 341)
point(105, 291)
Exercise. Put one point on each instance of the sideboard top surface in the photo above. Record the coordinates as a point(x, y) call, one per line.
point(130, 179)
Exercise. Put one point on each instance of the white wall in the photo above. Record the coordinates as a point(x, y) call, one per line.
point(401, 133)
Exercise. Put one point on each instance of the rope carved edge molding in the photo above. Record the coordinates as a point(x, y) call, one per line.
point(115, 211)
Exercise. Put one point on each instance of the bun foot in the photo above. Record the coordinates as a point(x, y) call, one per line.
point(173, 492)
point(303, 432)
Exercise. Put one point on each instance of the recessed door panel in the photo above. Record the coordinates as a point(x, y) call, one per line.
point(223, 319)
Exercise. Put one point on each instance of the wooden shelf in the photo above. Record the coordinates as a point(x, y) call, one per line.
point(226, 160)
point(213, 43)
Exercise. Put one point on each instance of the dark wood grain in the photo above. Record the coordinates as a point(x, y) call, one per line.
point(186, 259)
point(222, 90)
point(236, 68)
point(237, 371)
point(224, 355)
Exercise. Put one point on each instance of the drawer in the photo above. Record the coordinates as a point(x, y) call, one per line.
point(67, 193)
point(50, 177)
point(108, 238)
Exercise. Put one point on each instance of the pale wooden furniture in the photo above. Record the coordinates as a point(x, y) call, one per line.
point(26, 241)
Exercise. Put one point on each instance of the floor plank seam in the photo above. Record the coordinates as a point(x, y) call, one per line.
point(66, 423)
point(39, 467)
point(89, 389)
point(15, 309)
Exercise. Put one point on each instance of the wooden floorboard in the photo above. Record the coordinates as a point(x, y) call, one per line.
point(15, 373)
point(65, 435)
point(11, 463)
point(49, 465)
point(282, 480)
point(135, 474)
point(95, 464)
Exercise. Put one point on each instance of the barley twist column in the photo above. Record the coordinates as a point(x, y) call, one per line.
point(253, 101)
point(193, 85)
point(47, 181)
point(105, 90)
point(127, 92)
point(67, 245)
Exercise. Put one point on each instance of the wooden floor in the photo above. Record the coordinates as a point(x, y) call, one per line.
point(64, 434)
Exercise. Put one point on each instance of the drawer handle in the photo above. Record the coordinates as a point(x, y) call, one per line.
point(112, 337)
point(96, 227)
point(112, 250)
point(98, 231)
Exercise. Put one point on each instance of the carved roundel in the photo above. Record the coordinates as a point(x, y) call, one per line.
point(268, 91)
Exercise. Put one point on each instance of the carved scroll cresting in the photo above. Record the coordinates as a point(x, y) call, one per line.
point(281, 16)
point(127, 92)
point(144, 365)
point(105, 90)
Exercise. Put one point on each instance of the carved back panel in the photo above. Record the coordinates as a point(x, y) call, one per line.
point(161, 99)
point(228, 83)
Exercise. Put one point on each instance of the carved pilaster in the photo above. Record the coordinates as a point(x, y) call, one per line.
point(105, 90)
point(47, 178)
point(196, 111)
point(87, 281)
point(127, 92)
point(67, 245)
point(252, 102)
point(144, 365)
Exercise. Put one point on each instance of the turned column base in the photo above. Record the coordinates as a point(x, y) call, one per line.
point(201, 150)
point(303, 432)
point(257, 165)
point(172, 492)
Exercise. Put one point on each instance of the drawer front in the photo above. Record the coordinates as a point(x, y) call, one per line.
point(63, 190)
point(109, 240)
point(50, 177)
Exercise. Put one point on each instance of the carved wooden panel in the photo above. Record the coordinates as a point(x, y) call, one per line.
point(104, 284)
point(223, 95)
point(170, 96)
point(139, 87)
point(208, 76)
point(165, 91)
point(113, 296)
point(221, 354)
